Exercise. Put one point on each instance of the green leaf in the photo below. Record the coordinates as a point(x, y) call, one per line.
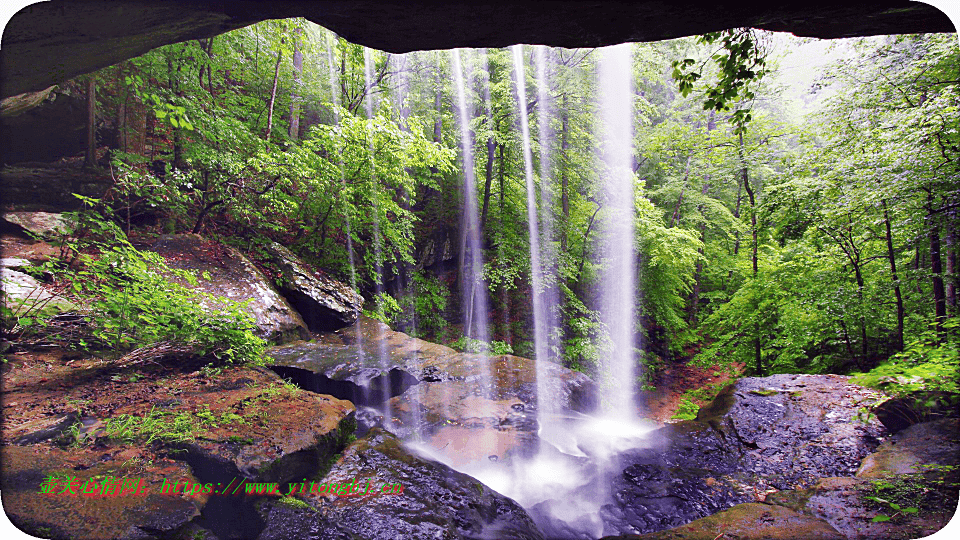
point(880, 518)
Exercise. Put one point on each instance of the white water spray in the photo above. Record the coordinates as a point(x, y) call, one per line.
point(474, 290)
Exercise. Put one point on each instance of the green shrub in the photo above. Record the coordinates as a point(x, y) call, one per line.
point(130, 301)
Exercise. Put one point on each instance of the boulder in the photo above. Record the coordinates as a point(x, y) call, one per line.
point(846, 504)
point(60, 514)
point(324, 303)
point(689, 471)
point(425, 500)
point(434, 392)
point(758, 436)
point(795, 429)
point(47, 225)
point(929, 443)
point(24, 296)
point(234, 277)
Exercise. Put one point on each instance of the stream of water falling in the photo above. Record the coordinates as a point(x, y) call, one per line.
point(473, 288)
point(382, 354)
point(618, 273)
point(335, 101)
point(546, 414)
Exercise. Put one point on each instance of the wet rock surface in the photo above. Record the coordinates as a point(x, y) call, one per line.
point(324, 303)
point(61, 514)
point(749, 521)
point(240, 424)
point(687, 473)
point(929, 443)
point(233, 276)
point(759, 435)
point(434, 392)
point(435, 502)
point(795, 429)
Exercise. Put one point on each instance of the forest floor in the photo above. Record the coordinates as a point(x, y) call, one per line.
point(679, 380)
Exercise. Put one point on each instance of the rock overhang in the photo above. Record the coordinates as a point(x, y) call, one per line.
point(52, 41)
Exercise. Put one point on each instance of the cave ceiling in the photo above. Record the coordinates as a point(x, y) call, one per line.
point(49, 42)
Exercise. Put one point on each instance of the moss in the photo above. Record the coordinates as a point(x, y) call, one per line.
point(295, 503)
point(765, 392)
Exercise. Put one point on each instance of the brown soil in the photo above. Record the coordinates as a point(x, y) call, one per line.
point(678, 378)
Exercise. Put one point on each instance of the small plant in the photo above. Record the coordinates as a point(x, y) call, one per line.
point(386, 309)
point(687, 410)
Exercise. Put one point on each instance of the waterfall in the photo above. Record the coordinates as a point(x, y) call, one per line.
point(546, 413)
point(618, 271)
point(382, 355)
point(473, 289)
point(335, 102)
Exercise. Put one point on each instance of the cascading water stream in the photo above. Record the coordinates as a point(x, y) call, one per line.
point(334, 99)
point(618, 272)
point(547, 385)
point(546, 414)
point(382, 355)
point(565, 485)
point(474, 290)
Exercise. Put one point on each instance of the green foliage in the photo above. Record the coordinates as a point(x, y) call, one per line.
point(927, 372)
point(687, 410)
point(933, 489)
point(385, 309)
point(427, 301)
point(131, 300)
point(470, 345)
point(156, 426)
point(741, 65)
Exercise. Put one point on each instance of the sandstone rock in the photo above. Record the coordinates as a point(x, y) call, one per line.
point(435, 502)
point(843, 503)
point(688, 472)
point(43, 224)
point(324, 303)
point(434, 391)
point(759, 435)
point(233, 277)
point(62, 515)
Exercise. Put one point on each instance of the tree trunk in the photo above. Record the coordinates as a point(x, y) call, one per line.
point(686, 175)
point(295, 91)
point(936, 269)
point(891, 256)
point(698, 268)
point(951, 276)
point(564, 181)
point(273, 96)
point(90, 160)
point(488, 180)
point(753, 225)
